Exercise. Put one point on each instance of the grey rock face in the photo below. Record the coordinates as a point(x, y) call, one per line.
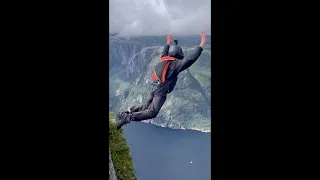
point(112, 172)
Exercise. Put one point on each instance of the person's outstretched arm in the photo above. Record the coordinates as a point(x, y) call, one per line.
point(165, 51)
point(191, 58)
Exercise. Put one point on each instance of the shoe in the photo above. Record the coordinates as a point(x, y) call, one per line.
point(122, 119)
point(128, 111)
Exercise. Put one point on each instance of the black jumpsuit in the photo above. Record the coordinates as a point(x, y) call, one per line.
point(158, 94)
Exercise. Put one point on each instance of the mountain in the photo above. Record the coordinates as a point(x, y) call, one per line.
point(131, 62)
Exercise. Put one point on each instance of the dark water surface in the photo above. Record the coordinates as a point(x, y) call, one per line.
point(165, 154)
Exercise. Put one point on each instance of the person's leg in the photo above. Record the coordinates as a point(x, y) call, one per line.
point(141, 107)
point(147, 111)
point(151, 111)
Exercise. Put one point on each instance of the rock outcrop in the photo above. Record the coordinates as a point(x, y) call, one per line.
point(120, 160)
point(112, 172)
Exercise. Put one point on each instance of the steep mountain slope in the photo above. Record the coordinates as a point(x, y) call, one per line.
point(131, 65)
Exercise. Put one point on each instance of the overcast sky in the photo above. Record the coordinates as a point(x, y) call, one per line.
point(158, 17)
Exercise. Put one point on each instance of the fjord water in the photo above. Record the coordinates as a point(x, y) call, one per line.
point(168, 154)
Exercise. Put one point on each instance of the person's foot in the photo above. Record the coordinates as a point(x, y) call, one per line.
point(128, 111)
point(122, 119)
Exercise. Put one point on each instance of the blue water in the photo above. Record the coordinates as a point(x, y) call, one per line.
point(165, 154)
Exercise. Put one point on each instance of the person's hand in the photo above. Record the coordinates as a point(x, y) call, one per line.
point(169, 39)
point(203, 39)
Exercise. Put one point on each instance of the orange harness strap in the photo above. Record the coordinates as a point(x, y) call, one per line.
point(164, 72)
point(166, 58)
point(163, 75)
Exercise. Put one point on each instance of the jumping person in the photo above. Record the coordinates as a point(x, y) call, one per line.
point(165, 75)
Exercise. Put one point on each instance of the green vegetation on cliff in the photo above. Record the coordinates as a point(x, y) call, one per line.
point(120, 152)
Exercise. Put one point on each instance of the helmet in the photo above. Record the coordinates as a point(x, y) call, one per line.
point(176, 51)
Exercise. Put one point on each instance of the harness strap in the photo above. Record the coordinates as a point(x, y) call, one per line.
point(164, 72)
point(162, 79)
point(167, 58)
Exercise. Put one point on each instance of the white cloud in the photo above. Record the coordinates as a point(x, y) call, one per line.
point(158, 17)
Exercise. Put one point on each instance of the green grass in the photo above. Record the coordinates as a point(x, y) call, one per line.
point(121, 158)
